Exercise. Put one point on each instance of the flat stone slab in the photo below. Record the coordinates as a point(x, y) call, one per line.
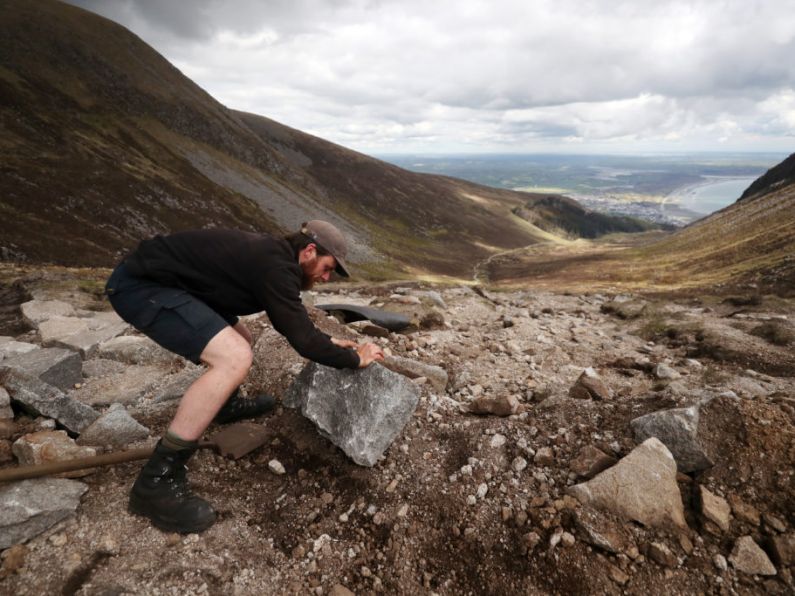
point(360, 411)
point(10, 349)
point(134, 349)
point(42, 399)
point(59, 327)
point(126, 387)
point(55, 366)
point(29, 507)
point(641, 487)
point(37, 311)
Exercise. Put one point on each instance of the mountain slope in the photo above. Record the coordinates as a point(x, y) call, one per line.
point(105, 143)
point(778, 176)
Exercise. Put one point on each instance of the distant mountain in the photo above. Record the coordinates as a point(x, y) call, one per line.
point(566, 217)
point(105, 143)
point(776, 177)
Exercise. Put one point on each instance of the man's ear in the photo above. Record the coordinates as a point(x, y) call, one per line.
point(307, 253)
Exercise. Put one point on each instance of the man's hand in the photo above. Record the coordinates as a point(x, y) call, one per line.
point(344, 343)
point(369, 353)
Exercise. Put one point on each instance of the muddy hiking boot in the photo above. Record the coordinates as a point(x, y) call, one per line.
point(162, 494)
point(238, 407)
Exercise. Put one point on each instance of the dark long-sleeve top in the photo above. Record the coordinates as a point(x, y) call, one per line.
point(240, 273)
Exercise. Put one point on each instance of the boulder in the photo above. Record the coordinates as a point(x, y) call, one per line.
point(747, 557)
point(47, 446)
point(414, 369)
point(9, 349)
point(35, 312)
point(55, 366)
point(42, 399)
point(641, 487)
point(590, 386)
point(360, 411)
point(134, 349)
point(5, 404)
point(29, 507)
point(115, 428)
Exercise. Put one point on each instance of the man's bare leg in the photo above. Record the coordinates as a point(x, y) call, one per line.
point(229, 357)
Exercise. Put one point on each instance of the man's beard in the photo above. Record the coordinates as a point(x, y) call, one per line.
point(307, 283)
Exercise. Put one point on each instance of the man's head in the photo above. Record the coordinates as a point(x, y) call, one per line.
point(321, 249)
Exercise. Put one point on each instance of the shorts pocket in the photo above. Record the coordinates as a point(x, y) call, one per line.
point(152, 306)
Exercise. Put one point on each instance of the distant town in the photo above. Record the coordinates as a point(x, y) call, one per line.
point(667, 189)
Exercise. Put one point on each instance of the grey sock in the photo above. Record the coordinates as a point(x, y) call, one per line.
point(177, 443)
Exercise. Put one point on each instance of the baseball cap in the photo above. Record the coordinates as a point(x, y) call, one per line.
point(330, 238)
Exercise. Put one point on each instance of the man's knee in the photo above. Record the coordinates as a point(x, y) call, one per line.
point(229, 351)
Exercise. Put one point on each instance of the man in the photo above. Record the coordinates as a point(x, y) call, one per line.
point(186, 291)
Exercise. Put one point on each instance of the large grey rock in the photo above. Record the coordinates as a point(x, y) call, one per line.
point(115, 428)
point(29, 507)
point(59, 327)
point(678, 430)
point(413, 369)
point(134, 349)
point(87, 342)
point(5, 404)
point(40, 398)
point(37, 311)
point(55, 366)
point(126, 387)
point(12, 348)
point(641, 487)
point(360, 411)
point(694, 435)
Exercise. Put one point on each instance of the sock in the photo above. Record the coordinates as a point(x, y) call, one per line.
point(177, 443)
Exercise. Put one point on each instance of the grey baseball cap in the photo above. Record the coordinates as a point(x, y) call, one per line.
point(329, 237)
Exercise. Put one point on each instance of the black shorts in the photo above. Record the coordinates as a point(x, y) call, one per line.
point(172, 317)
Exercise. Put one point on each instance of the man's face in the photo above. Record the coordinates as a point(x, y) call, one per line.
point(316, 269)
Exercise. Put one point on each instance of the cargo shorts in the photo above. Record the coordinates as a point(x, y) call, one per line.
point(172, 317)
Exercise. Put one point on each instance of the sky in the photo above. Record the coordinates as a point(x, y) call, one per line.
point(494, 76)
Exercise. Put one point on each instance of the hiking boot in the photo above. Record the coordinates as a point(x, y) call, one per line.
point(238, 408)
point(162, 494)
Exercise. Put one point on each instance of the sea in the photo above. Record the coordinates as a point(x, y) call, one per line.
point(711, 196)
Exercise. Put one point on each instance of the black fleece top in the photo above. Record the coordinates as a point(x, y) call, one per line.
point(240, 273)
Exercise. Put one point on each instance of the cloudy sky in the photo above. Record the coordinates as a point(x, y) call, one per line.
point(441, 76)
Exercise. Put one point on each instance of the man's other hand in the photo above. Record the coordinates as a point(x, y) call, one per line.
point(369, 353)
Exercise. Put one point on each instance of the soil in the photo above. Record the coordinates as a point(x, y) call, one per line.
point(410, 524)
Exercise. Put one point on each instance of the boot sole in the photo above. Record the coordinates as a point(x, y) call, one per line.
point(168, 524)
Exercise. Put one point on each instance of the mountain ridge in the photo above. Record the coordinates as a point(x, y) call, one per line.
point(109, 143)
